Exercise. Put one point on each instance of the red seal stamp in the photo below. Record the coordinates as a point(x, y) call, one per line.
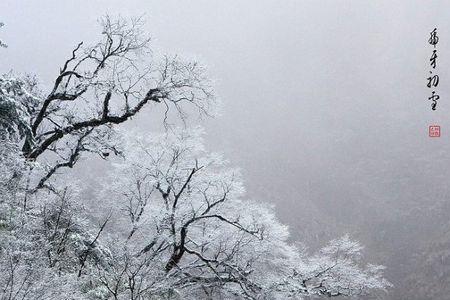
point(434, 131)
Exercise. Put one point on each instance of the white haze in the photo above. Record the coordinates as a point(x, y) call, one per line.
point(325, 102)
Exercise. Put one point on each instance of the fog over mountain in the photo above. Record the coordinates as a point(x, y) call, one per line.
point(324, 109)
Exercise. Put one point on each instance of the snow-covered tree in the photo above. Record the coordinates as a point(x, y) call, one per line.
point(97, 87)
point(173, 223)
point(15, 99)
point(2, 44)
point(45, 240)
point(184, 221)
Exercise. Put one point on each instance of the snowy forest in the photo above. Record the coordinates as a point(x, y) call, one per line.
point(172, 220)
point(135, 165)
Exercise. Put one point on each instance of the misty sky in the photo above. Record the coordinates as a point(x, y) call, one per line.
point(322, 99)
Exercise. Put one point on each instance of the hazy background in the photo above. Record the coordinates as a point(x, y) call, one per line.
point(325, 110)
